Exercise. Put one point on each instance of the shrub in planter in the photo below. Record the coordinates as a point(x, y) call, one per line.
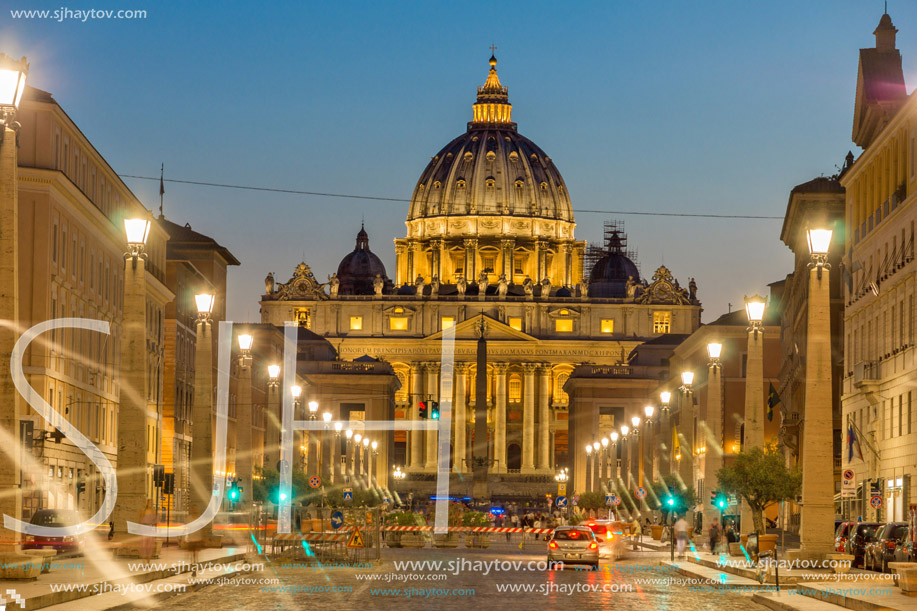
point(476, 519)
point(395, 538)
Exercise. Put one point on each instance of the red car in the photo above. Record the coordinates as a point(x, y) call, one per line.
point(840, 536)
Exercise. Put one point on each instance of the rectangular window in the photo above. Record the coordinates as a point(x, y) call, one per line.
point(662, 322)
point(608, 325)
point(515, 322)
point(356, 323)
point(563, 325)
point(63, 249)
point(447, 322)
point(398, 323)
point(54, 238)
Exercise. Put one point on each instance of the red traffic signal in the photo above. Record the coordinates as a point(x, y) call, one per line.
point(422, 406)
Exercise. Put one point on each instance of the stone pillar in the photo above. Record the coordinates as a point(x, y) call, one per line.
point(201, 428)
point(412, 249)
point(567, 250)
point(459, 439)
point(754, 407)
point(506, 251)
point(590, 466)
point(133, 469)
point(433, 392)
point(713, 458)
point(272, 427)
point(817, 517)
point(10, 494)
point(500, 416)
point(528, 417)
point(336, 457)
point(686, 437)
point(416, 437)
point(400, 264)
point(244, 424)
point(436, 259)
point(544, 418)
point(539, 257)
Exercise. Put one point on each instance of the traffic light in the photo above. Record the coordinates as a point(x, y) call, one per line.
point(423, 410)
point(159, 472)
point(434, 410)
point(234, 492)
point(671, 501)
point(720, 501)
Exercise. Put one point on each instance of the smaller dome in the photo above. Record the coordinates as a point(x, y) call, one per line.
point(563, 292)
point(358, 270)
point(612, 271)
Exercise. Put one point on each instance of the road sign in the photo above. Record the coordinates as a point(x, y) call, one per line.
point(337, 520)
point(876, 502)
point(612, 499)
point(561, 502)
point(848, 484)
point(608, 501)
point(315, 481)
point(356, 540)
point(616, 500)
point(640, 492)
point(562, 489)
point(348, 494)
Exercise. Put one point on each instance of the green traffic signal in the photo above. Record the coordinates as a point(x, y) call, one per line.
point(670, 501)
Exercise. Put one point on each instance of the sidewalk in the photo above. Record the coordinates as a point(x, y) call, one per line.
point(862, 595)
point(90, 572)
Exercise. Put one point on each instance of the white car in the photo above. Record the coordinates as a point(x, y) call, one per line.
point(611, 536)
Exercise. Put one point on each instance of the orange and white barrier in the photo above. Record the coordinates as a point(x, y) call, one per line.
point(475, 529)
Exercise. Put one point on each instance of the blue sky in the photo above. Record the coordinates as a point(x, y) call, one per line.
point(706, 106)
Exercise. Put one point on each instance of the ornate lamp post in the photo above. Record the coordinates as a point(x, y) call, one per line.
point(245, 449)
point(686, 426)
point(364, 462)
point(625, 453)
point(590, 466)
point(13, 76)
point(713, 459)
point(817, 450)
point(133, 415)
point(649, 441)
point(326, 446)
point(202, 468)
point(754, 387)
point(603, 474)
point(336, 452)
point(296, 391)
point(357, 466)
point(375, 454)
point(613, 440)
point(597, 465)
point(348, 458)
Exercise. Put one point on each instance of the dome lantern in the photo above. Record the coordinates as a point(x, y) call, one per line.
point(492, 106)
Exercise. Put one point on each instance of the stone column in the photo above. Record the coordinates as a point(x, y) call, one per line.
point(506, 250)
point(590, 466)
point(568, 264)
point(10, 494)
point(471, 251)
point(544, 418)
point(500, 416)
point(412, 249)
point(528, 417)
point(436, 259)
point(433, 392)
point(272, 427)
point(132, 413)
point(754, 407)
point(416, 437)
point(686, 437)
point(201, 428)
point(244, 424)
point(458, 415)
point(713, 458)
point(816, 524)
point(400, 264)
point(539, 250)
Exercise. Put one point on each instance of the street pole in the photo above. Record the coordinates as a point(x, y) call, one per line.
point(817, 519)
point(754, 390)
point(244, 451)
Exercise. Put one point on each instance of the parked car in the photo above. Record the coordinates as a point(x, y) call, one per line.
point(906, 551)
point(882, 551)
point(858, 536)
point(840, 536)
point(573, 545)
point(611, 538)
point(53, 517)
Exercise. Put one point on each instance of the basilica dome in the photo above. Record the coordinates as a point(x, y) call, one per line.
point(358, 270)
point(491, 169)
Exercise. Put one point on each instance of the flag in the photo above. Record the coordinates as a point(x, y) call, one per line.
point(772, 400)
point(853, 443)
point(676, 447)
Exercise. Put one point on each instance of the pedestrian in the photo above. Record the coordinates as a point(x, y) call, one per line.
point(714, 536)
point(681, 535)
point(111, 530)
point(637, 533)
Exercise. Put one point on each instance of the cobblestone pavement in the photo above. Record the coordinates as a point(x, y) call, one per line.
point(459, 583)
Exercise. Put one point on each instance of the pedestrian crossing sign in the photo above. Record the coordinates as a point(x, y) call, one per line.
point(348, 494)
point(356, 540)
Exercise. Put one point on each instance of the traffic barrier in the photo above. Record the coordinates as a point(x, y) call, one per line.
point(476, 529)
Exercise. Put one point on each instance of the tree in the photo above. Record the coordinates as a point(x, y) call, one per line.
point(760, 477)
point(672, 487)
point(591, 500)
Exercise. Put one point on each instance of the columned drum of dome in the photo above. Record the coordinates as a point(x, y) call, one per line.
point(491, 205)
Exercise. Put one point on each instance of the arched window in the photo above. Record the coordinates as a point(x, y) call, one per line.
point(560, 397)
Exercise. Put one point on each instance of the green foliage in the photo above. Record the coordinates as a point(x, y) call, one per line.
point(475, 518)
point(404, 518)
point(456, 513)
point(760, 477)
point(591, 500)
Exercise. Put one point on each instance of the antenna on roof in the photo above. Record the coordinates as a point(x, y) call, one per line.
point(162, 188)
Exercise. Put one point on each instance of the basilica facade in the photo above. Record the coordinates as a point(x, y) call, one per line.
point(490, 247)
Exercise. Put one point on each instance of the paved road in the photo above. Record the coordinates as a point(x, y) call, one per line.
point(458, 583)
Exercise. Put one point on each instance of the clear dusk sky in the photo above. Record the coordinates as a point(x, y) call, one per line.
point(669, 106)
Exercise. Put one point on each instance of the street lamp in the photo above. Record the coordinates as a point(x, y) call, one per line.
point(819, 241)
point(204, 303)
point(714, 350)
point(624, 431)
point(313, 409)
point(754, 308)
point(589, 473)
point(687, 380)
point(245, 344)
point(364, 454)
point(13, 75)
point(137, 232)
point(372, 473)
point(296, 391)
point(649, 410)
point(272, 426)
point(665, 396)
point(244, 460)
point(273, 372)
point(326, 416)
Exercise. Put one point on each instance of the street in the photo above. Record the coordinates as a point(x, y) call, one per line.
point(455, 579)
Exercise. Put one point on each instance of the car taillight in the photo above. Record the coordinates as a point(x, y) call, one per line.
point(552, 545)
point(889, 545)
point(593, 545)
